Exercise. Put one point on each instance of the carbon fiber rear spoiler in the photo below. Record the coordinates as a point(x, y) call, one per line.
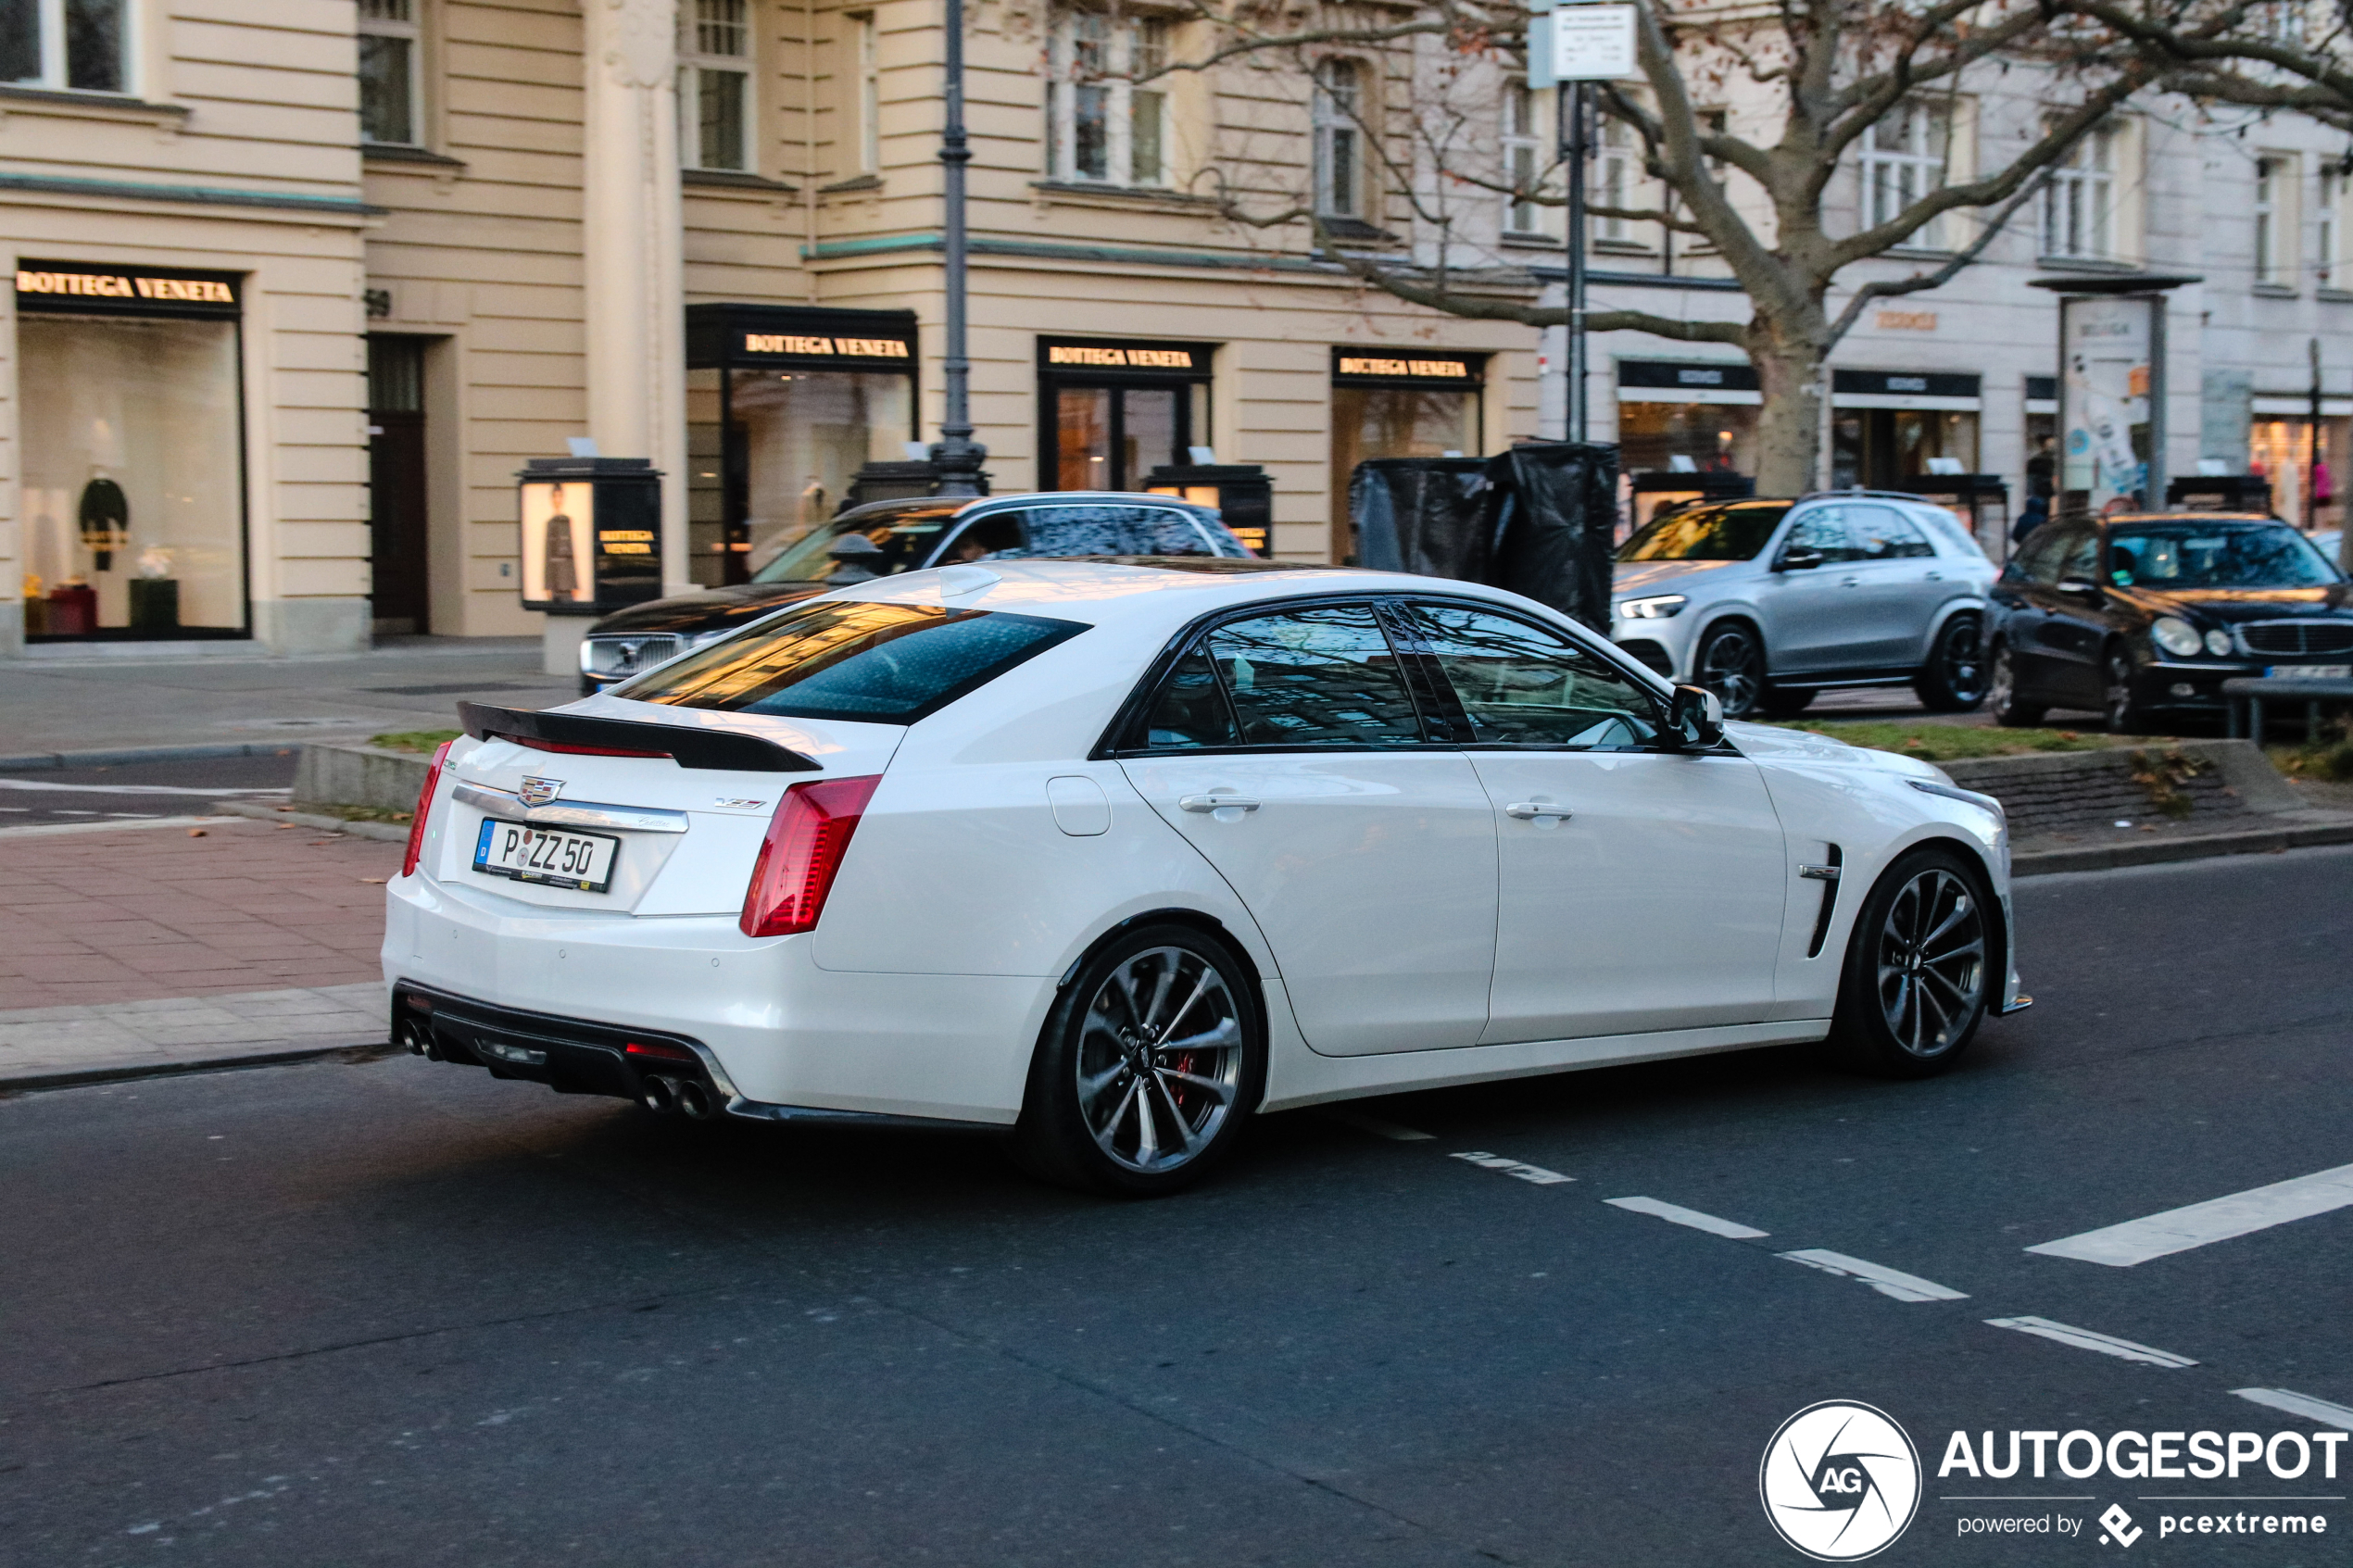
point(684, 745)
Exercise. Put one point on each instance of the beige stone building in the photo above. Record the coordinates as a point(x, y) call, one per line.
point(455, 235)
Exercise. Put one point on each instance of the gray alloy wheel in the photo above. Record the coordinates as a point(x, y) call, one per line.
point(1930, 964)
point(1954, 679)
point(1731, 664)
point(1149, 1067)
point(1159, 1062)
point(2001, 692)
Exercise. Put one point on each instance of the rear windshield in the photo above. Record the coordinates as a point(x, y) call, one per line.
point(2195, 555)
point(1737, 531)
point(878, 663)
point(884, 547)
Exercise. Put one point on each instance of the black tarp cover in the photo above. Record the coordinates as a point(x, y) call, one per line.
point(1426, 515)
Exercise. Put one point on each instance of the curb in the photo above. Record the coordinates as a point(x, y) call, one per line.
point(248, 1057)
point(119, 756)
point(2112, 857)
point(389, 832)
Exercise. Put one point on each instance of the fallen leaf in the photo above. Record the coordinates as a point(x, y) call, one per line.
point(372, 879)
point(2069, 734)
point(282, 807)
point(195, 833)
point(287, 827)
point(2148, 827)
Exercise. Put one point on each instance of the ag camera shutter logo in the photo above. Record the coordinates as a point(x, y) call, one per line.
point(1839, 1480)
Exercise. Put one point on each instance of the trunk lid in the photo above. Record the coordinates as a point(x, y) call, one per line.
point(684, 836)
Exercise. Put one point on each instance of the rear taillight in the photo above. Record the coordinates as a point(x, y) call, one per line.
point(801, 853)
point(425, 809)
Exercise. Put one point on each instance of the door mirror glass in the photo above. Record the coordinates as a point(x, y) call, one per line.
point(1798, 558)
point(1697, 718)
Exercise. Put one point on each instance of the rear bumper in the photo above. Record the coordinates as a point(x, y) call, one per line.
point(775, 1036)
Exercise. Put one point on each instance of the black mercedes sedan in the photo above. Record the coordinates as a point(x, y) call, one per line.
point(2144, 616)
point(884, 538)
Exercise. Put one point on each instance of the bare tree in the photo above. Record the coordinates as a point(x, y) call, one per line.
point(1809, 77)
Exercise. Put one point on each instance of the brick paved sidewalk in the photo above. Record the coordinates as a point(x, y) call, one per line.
point(151, 914)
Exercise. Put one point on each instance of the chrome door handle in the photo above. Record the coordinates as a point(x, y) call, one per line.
point(1215, 803)
point(1849, 581)
point(1934, 577)
point(1530, 811)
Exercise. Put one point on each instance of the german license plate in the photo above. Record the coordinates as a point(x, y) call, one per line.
point(2311, 671)
point(579, 860)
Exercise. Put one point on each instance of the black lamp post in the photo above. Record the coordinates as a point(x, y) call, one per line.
point(956, 459)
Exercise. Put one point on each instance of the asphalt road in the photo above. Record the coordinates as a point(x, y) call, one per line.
point(398, 1314)
point(49, 797)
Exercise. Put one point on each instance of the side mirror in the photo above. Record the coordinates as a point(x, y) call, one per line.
point(1798, 558)
point(1696, 719)
point(2079, 588)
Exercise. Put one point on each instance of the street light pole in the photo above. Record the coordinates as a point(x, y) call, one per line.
point(1573, 150)
point(957, 457)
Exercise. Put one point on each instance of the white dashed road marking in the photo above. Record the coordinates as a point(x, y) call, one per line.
point(1675, 1213)
point(1879, 1277)
point(1536, 1174)
point(2201, 1224)
point(1378, 1127)
point(2304, 1405)
point(2085, 1339)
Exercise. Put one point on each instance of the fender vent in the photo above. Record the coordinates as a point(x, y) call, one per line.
point(1827, 875)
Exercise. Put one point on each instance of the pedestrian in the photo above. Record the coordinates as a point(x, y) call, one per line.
point(2031, 516)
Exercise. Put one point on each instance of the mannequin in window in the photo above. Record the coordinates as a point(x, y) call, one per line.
point(562, 573)
point(106, 521)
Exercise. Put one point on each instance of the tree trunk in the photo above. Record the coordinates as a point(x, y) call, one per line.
point(1788, 357)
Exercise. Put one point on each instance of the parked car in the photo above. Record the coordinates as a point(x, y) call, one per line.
point(1109, 856)
point(1768, 603)
point(883, 538)
point(2143, 617)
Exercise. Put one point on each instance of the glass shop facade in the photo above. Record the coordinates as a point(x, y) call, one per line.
point(784, 405)
point(1110, 410)
point(131, 407)
point(1400, 403)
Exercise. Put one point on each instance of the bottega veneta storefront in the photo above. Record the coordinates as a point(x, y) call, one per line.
point(1400, 403)
point(131, 421)
point(1111, 410)
point(784, 405)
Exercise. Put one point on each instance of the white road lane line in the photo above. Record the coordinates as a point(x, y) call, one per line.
point(1526, 1172)
point(1675, 1213)
point(2085, 1339)
point(1879, 1277)
point(40, 788)
point(2201, 1224)
point(2304, 1405)
point(1378, 1127)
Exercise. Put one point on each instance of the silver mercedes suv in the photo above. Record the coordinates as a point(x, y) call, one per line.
point(1767, 603)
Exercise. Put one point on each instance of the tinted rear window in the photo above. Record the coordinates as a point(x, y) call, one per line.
point(1736, 531)
point(878, 663)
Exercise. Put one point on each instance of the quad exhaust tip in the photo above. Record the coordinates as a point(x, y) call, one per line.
point(683, 1096)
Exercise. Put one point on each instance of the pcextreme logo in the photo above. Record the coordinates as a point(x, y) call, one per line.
point(1839, 1480)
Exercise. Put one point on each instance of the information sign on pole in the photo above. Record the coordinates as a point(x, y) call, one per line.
point(1592, 43)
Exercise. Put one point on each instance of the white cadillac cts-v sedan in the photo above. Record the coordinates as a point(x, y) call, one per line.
point(1110, 856)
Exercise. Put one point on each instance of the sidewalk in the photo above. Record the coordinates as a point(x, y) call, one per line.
point(112, 705)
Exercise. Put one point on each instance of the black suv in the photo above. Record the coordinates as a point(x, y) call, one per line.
point(2145, 614)
point(884, 538)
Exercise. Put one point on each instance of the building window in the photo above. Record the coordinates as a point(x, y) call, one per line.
point(1340, 147)
point(388, 75)
point(79, 45)
point(715, 84)
point(1613, 180)
point(1903, 159)
point(2078, 205)
point(866, 49)
point(1523, 160)
point(2274, 255)
point(2329, 229)
point(1102, 125)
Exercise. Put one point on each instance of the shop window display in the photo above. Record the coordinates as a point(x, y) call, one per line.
point(801, 437)
point(2281, 451)
point(133, 502)
point(1882, 448)
point(1714, 438)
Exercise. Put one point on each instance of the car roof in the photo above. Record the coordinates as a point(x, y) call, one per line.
point(950, 506)
point(1144, 590)
point(2204, 520)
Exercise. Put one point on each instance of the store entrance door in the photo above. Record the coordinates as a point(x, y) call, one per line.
point(396, 485)
point(1110, 437)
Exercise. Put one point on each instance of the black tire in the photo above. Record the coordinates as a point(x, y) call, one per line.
point(1786, 702)
point(2120, 700)
point(1730, 661)
point(1144, 1096)
point(1919, 968)
point(2001, 692)
point(1953, 681)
